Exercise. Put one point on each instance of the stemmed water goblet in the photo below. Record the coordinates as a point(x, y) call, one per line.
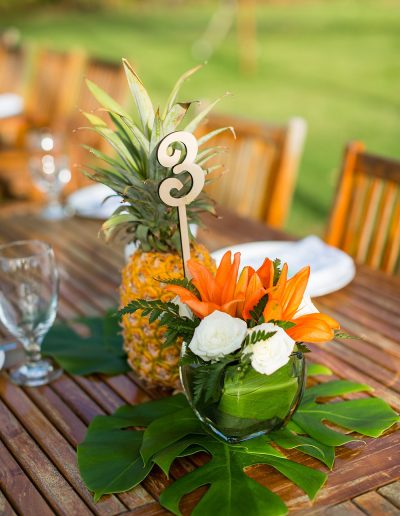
point(50, 171)
point(28, 305)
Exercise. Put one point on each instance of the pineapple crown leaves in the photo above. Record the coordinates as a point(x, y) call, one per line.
point(133, 171)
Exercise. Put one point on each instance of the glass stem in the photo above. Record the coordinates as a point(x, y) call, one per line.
point(33, 353)
point(54, 198)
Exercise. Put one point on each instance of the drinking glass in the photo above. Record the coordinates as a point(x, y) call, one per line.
point(28, 304)
point(50, 171)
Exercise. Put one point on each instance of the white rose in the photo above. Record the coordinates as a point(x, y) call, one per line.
point(217, 335)
point(267, 356)
point(184, 310)
point(306, 307)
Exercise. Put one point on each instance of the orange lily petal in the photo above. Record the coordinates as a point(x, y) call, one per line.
point(230, 307)
point(223, 270)
point(183, 293)
point(313, 328)
point(277, 291)
point(228, 289)
point(273, 310)
point(251, 302)
point(266, 273)
point(333, 323)
point(202, 309)
point(254, 293)
point(241, 287)
point(204, 281)
point(294, 292)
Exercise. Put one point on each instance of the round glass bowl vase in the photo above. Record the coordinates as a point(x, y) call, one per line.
point(240, 406)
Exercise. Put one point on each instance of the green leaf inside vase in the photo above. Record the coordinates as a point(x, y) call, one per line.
point(259, 396)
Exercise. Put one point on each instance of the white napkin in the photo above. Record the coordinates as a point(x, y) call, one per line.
point(11, 104)
point(90, 201)
point(331, 268)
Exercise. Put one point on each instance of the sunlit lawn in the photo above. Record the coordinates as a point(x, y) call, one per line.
point(336, 63)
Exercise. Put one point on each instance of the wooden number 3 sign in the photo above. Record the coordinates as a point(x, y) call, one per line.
point(174, 161)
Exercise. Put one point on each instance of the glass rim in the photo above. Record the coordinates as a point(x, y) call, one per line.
point(46, 249)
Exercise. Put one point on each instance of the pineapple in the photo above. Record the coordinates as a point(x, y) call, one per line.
point(134, 173)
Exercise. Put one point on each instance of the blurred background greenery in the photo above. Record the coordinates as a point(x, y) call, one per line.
point(334, 62)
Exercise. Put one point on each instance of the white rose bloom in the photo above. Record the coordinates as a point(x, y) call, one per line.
point(184, 310)
point(267, 356)
point(217, 335)
point(306, 307)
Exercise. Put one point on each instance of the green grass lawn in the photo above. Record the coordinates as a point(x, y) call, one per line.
point(334, 62)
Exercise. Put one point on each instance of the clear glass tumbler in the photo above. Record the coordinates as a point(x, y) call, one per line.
point(28, 305)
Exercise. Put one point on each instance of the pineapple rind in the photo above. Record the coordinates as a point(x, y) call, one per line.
point(142, 340)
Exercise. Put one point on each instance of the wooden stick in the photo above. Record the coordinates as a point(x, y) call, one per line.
point(185, 244)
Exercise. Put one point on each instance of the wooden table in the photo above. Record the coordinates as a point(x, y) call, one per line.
point(41, 427)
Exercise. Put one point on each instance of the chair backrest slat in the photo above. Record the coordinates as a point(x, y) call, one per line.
point(391, 253)
point(259, 166)
point(385, 214)
point(365, 220)
point(10, 69)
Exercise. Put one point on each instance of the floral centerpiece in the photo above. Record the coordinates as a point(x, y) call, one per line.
point(242, 361)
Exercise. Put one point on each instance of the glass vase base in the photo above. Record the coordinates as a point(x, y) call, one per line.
point(41, 373)
point(236, 439)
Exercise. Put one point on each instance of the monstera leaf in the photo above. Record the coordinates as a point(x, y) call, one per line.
point(231, 491)
point(289, 439)
point(109, 458)
point(115, 456)
point(98, 351)
point(367, 416)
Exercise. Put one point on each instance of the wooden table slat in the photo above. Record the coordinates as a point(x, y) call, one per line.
point(5, 507)
point(46, 477)
point(373, 503)
point(57, 449)
point(19, 489)
point(392, 493)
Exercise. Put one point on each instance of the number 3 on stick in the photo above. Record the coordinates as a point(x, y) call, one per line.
point(188, 164)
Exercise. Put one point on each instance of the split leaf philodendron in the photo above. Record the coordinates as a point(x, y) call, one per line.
point(97, 349)
point(114, 457)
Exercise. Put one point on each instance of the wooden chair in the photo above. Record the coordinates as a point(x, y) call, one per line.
point(365, 220)
point(261, 167)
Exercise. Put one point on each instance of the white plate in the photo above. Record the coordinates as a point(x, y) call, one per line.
point(11, 104)
point(331, 268)
point(90, 202)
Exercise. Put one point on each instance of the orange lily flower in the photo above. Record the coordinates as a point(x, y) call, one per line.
point(284, 300)
point(238, 297)
point(284, 303)
point(217, 293)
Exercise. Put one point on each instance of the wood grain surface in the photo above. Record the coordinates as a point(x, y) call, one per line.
point(41, 427)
